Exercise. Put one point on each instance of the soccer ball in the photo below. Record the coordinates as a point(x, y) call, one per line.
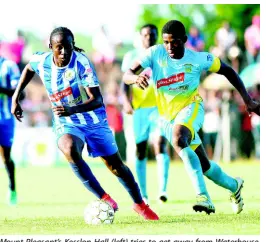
point(99, 212)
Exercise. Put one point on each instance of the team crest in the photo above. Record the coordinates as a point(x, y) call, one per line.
point(69, 74)
point(188, 68)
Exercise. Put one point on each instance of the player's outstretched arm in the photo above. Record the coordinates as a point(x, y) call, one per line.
point(131, 76)
point(234, 79)
point(26, 75)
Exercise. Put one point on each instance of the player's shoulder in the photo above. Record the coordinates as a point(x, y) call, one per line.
point(81, 57)
point(199, 55)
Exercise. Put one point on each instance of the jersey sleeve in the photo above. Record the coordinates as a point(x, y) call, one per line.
point(146, 59)
point(14, 73)
point(35, 60)
point(209, 62)
point(87, 73)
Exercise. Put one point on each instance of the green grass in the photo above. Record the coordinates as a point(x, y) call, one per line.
point(52, 200)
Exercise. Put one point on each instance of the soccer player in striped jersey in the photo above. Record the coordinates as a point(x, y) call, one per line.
point(176, 76)
point(145, 114)
point(9, 76)
point(79, 115)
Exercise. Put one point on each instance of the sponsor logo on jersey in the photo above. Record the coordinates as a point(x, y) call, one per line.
point(60, 95)
point(171, 80)
point(69, 75)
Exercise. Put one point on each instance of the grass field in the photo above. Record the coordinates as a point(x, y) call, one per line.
point(52, 200)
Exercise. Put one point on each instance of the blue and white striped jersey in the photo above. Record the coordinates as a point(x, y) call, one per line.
point(9, 76)
point(65, 85)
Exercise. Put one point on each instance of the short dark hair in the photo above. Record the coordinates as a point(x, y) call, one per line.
point(152, 26)
point(65, 31)
point(175, 28)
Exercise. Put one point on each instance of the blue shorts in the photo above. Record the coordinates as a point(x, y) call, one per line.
point(192, 116)
point(99, 138)
point(145, 122)
point(7, 128)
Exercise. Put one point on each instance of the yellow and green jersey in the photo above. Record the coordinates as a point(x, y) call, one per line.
point(176, 81)
point(140, 98)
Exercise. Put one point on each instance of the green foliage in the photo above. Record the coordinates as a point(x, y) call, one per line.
point(207, 17)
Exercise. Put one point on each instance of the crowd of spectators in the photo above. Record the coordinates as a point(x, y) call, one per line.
point(245, 129)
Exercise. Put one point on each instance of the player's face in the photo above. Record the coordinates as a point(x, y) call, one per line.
point(149, 37)
point(174, 46)
point(62, 47)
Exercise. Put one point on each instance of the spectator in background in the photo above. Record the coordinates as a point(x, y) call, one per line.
point(104, 46)
point(211, 122)
point(252, 40)
point(114, 115)
point(13, 50)
point(195, 39)
point(255, 122)
point(226, 44)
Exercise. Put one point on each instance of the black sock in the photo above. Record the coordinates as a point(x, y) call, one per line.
point(10, 169)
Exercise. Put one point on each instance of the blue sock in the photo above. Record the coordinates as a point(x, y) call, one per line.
point(194, 170)
point(163, 161)
point(83, 172)
point(141, 174)
point(216, 174)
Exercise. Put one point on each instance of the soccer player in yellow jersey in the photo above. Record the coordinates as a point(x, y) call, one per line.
point(142, 105)
point(176, 76)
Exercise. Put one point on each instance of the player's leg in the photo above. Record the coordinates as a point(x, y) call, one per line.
point(141, 168)
point(180, 133)
point(163, 162)
point(161, 154)
point(10, 168)
point(72, 147)
point(126, 178)
point(141, 133)
point(6, 142)
point(102, 143)
point(214, 172)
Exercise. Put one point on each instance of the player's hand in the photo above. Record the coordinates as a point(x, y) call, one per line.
point(62, 111)
point(128, 108)
point(253, 106)
point(17, 111)
point(142, 81)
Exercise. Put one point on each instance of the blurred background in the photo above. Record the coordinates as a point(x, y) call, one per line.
point(106, 33)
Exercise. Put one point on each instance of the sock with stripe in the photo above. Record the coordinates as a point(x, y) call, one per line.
point(84, 173)
point(219, 177)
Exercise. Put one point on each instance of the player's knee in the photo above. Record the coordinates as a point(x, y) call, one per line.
point(70, 151)
point(180, 141)
point(141, 150)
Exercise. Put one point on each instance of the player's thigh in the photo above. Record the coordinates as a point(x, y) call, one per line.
point(100, 140)
point(192, 117)
point(70, 140)
point(7, 130)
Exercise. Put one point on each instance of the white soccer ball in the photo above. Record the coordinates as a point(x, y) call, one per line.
point(99, 212)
